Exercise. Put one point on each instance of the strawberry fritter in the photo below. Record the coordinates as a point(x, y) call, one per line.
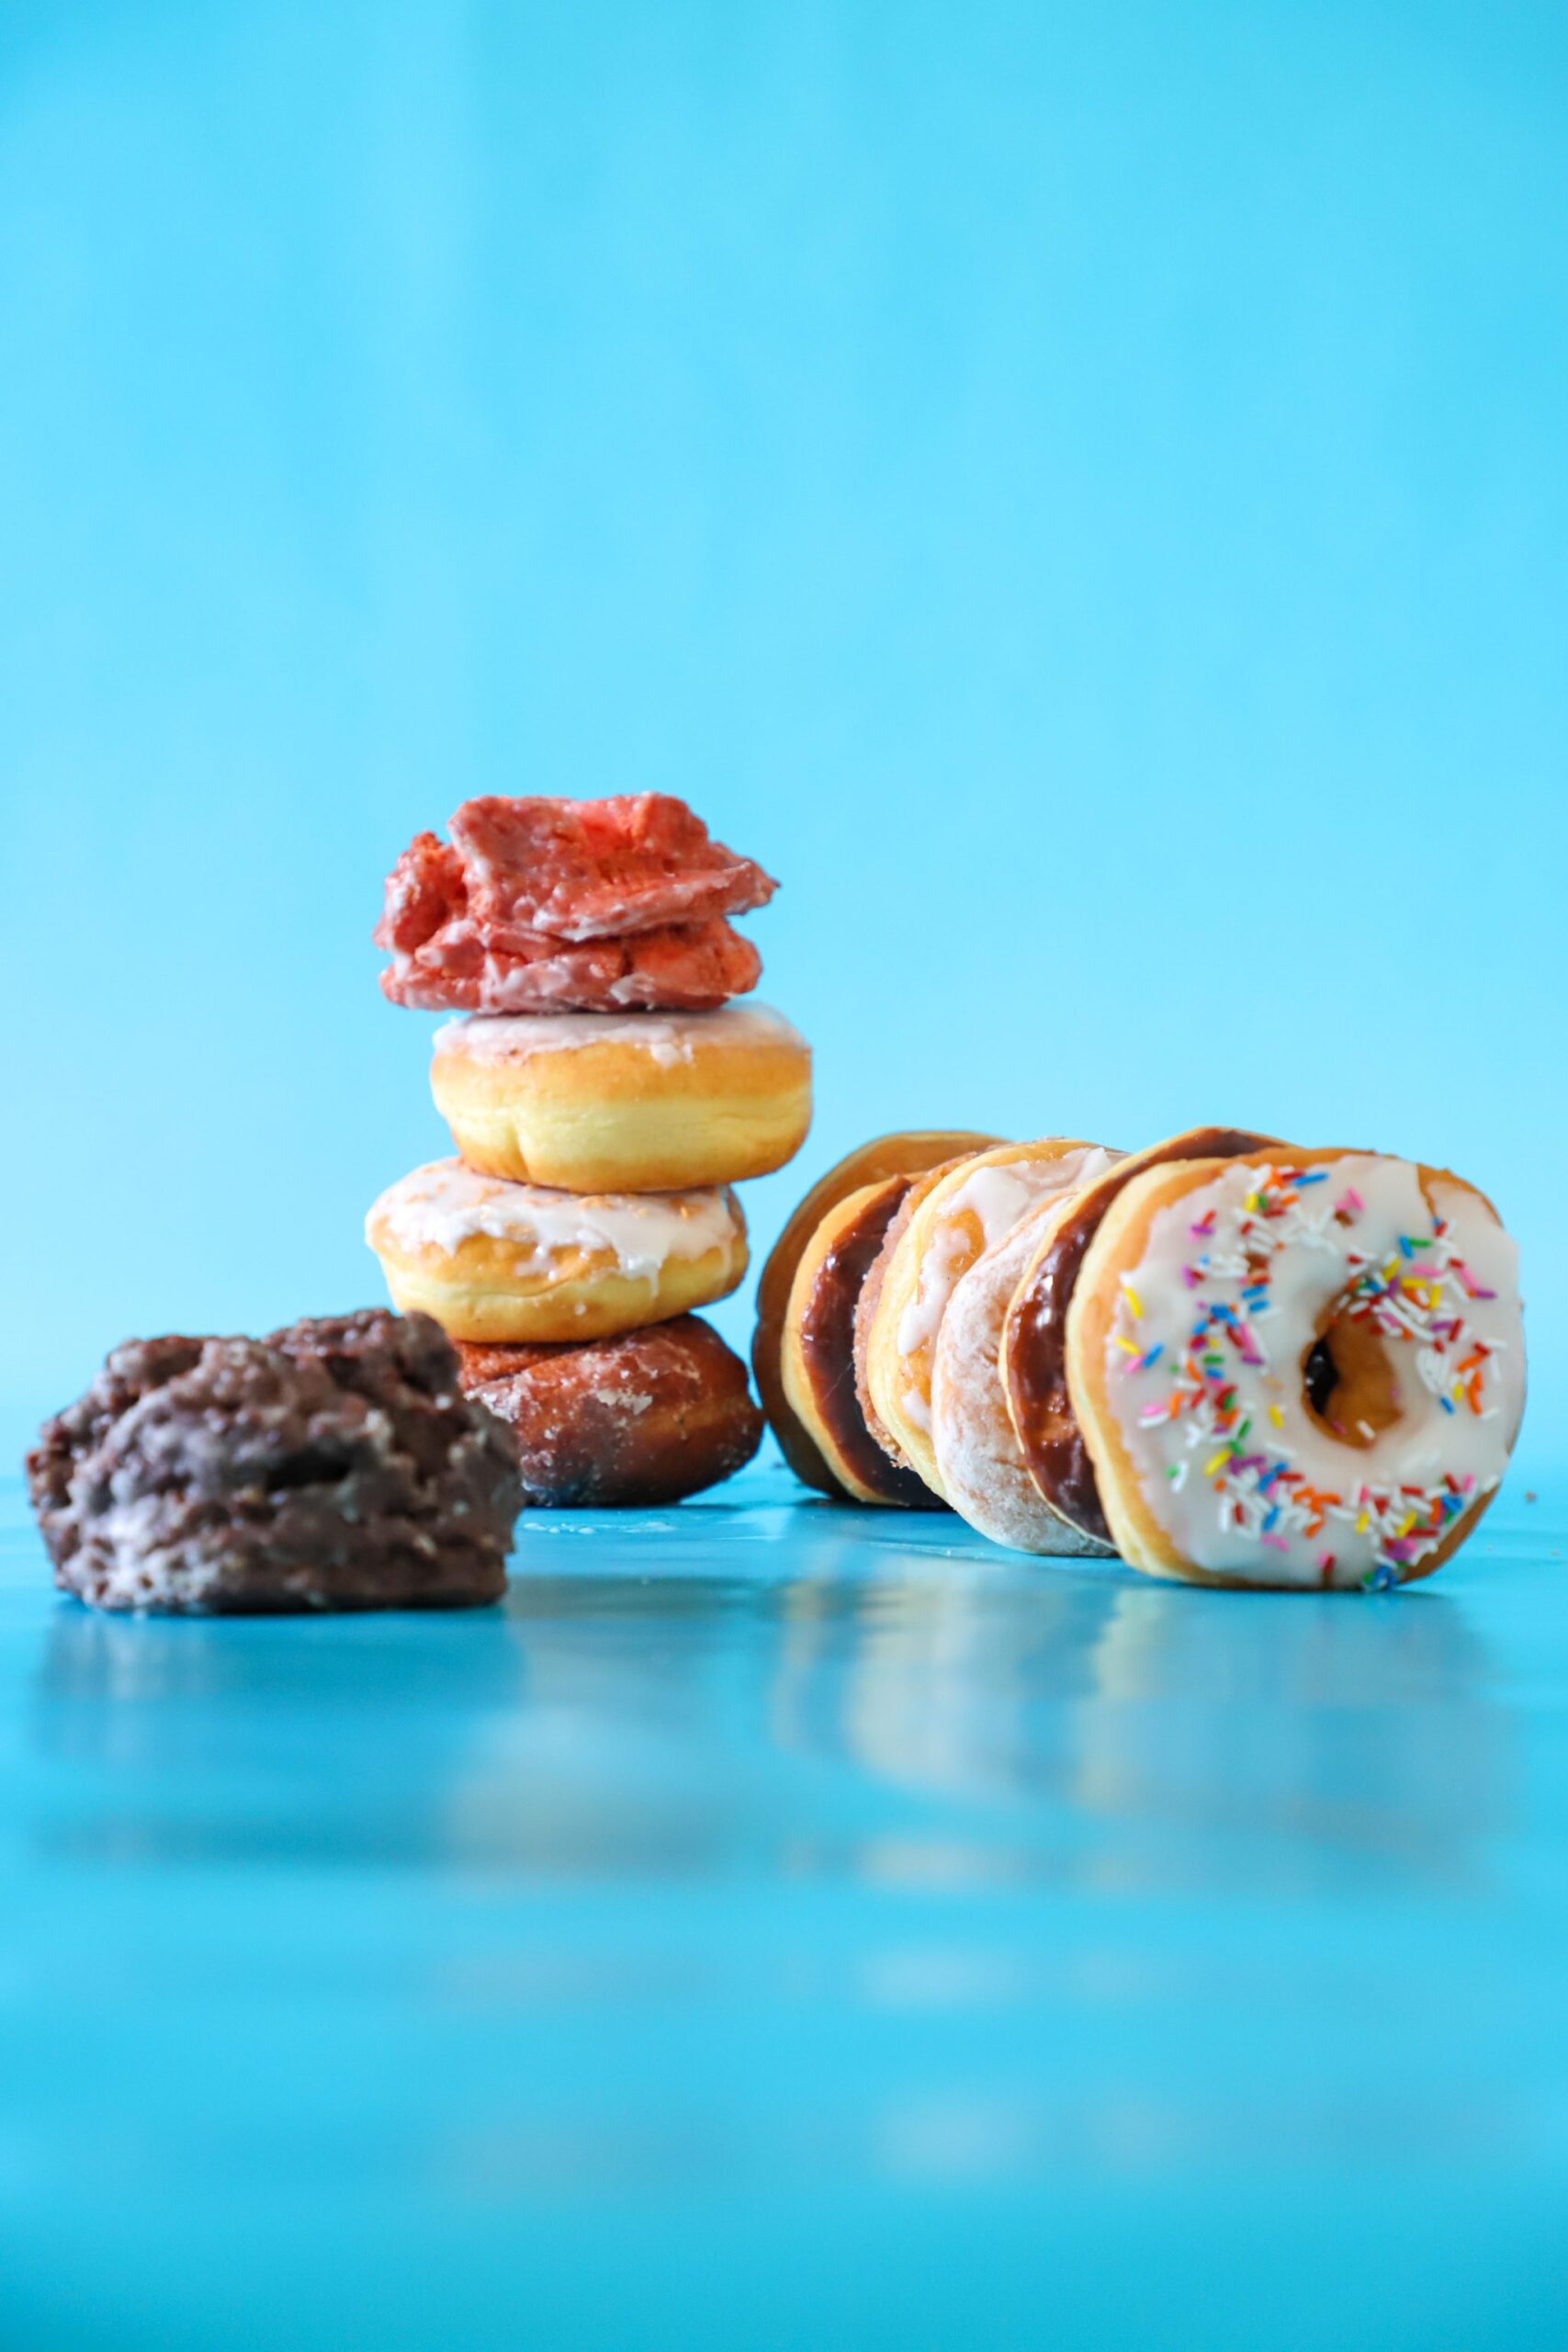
point(597, 869)
point(540, 905)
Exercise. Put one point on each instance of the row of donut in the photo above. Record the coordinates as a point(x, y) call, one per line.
point(1230, 1360)
point(602, 1102)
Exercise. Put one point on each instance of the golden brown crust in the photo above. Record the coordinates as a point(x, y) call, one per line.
point(645, 1417)
point(610, 1115)
point(905, 1153)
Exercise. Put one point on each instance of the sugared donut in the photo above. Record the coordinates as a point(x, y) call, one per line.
point(1035, 1337)
point(639, 1103)
point(946, 1223)
point(978, 1457)
point(819, 1348)
point(1297, 1368)
point(645, 1417)
point(906, 1153)
point(494, 1260)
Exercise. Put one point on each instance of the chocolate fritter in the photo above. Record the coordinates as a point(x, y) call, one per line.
point(646, 1417)
point(131, 1371)
point(335, 1465)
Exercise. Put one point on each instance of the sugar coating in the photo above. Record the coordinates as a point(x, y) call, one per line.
point(982, 1472)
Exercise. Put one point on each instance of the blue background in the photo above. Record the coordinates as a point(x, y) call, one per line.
point(1079, 492)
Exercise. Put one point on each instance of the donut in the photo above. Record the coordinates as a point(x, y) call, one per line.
point(685, 967)
point(1033, 1351)
point(978, 1458)
point(905, 1153)
point(948, 1220)
point(639, 1103)
point(538, 904)
point(494, 1260)
point(818, 1360)
point(1296, 1368)
point(335, 1464)
point(644, 1418)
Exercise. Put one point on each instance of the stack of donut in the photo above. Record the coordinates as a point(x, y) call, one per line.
point(1231, 1360)
point(603, 1092)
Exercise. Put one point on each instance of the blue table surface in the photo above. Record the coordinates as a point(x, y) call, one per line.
point(780, 1926)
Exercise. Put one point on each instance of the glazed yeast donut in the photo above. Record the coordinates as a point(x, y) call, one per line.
point(908, 1152)
point(624, 1102)
point(1296, 1368)
point(500, 1261)
point(948, 1219)
point(645, 1417)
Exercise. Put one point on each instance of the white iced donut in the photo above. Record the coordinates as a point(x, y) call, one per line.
point(1297, 1368)
point(623, 1101)
point(499, 1261)
point(978, 1458)
point(949, 1219)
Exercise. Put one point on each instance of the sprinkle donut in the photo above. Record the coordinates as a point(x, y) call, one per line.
point(1297, 1368)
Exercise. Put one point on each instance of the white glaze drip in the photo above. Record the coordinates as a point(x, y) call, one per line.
point(667, 1038)
point(994, 1198)
point(446, 1203)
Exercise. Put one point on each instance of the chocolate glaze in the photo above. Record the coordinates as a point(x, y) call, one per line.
point(908, 1152)
point(1034, 1348)
point(827, 1347)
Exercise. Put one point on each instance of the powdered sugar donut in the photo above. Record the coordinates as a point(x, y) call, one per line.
point(1297, 1368)
point(499, 1261)
point(978, 1458)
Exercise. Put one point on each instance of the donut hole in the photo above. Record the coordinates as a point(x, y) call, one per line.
point(1348, 1380)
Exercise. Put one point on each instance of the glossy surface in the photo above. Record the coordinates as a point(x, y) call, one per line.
point(790, 1926)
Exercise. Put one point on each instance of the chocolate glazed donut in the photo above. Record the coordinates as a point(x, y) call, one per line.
point(907, 1152)
point(819, 1356)
point(1034, 1365)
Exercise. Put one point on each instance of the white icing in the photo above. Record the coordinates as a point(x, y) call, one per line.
point(1217, 1490)
point(446, 1203)
point(667, 1038)
point(977, 1452)
point(992, 1198)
